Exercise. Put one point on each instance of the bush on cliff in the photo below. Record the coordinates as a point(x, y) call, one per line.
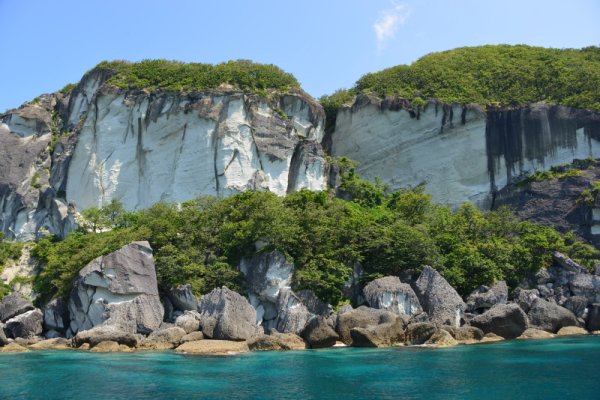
point(202, 241)
point(487, 75)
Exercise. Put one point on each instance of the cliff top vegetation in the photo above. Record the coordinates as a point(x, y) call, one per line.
point(175, 75)
point(493, 75)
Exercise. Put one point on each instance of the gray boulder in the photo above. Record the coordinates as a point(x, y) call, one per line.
point(441, 302)
point(13, 305)
point(420, 332)
point(314, 305)
point(266, 275)
point(587, 286)
point(182, 298)
point(524, 298)
point(577, 305)
point(319, 334)
point(117, 289)
point(593, 318)
point(56, 317)
point(189, 321)
point(484, 298)
point(361, 317)
point(382, 335)
point(464, 333)
point(26, 325)
point(105, 333)
point(390, 294)
point(292, 314)
point(226, 315)
point(506, 320)
point(3, 339)
point(550, 317)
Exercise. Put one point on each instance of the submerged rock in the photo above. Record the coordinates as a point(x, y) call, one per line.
point(226, 315)
point(441, 302)
point(505, 320)
point(390, 294)
point(117, 289)
point(213, 347)
point(52, 344)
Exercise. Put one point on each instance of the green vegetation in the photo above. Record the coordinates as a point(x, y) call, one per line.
point(498, 75)
point(563, 171)
point(174, 75)
point(67, 88)
point(9, 251)
point(202, 241)
point(588, 196)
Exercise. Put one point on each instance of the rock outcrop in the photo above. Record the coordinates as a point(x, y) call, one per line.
point(486, 297)
point(505, 320)
point(550, 317)
point(13, 305)
point(56, 318)
point(226, 315)
point(361, 317)
point(117, 289)
point(182, 298)
point(292, 314)
point(439, 300)
point(319, 334)
point(382, 335)
point(26, 325)
point(390, 294)
point(100, 142)
point(105, 333)
point(461, 153)
point(276, 341)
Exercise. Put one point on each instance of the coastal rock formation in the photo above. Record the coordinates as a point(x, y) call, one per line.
point(266, 275)
point(117, 289)
point(276, 341)
point(461, 153)
point(13, 305)
point(361, 317)
point(505, 320)
point(99, 143)
point(313, 304)
point(593, 319)
point(226, 315)
point(420, 332)
point(390, 294)
point(525, 297)
point(3, 339)
point(382, 335)
point(213, 347)
point(319, 334)
point(182, 298)
point(292, 314)
point(486, 297)
point(105, 333)
point(550, 317)
point(163, 339)
point(189, 321)
point(465, 333)
point(439, 300)
point(26, 325)
point(56, 318)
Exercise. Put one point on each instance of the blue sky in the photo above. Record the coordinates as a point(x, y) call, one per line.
point(326, 44)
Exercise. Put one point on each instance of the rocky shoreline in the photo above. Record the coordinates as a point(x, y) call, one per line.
point(116, 306)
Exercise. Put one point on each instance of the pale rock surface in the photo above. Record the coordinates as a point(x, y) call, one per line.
point(117, 289)
point(13, 305)
point(461, 153)
point(56, 316)
point(226, 315)
point(26, 325)
point(213, 347)
point(189, 321)
point(105, 333)
point(390, 294)
point(292, 314)
point(277, 341)
point(571, 331)
point(533, 333)
point(439, 300)
point(486, 297)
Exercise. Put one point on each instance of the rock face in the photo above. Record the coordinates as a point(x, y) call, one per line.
point(439, 300)
point(420, 332)
point(292, 314)
point(26, 325)
point(143, 148)
point(461, 153)
point(117, 289)
point(182, 298)
point(226, 315)
point(390, 294)
point(382, 335)
point(593, 320)
point(485, 297)
point(550, 317)
point(319, 334)
point(105, 333)
point(13, 305)
point(506, 320)
point(266, 275)
point(56, 317)
point(362, 317)
point(277, 341)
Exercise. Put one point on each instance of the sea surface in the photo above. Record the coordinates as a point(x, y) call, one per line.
point(539, 369)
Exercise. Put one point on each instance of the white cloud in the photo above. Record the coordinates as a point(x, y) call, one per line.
point(387, 24)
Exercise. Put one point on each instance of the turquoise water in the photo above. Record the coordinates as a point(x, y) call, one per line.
point(551, 369)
